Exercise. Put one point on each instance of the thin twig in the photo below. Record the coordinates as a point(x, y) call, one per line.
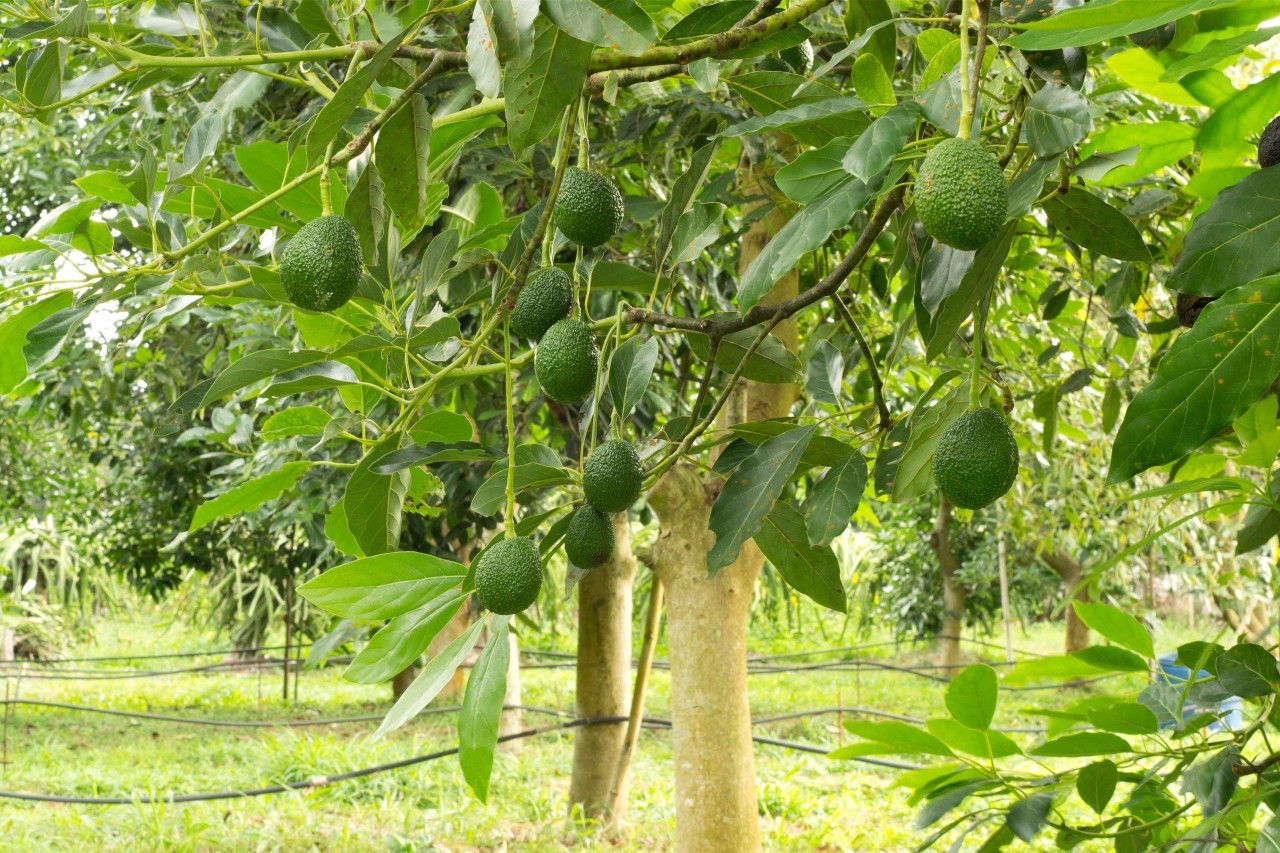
point(877, 385)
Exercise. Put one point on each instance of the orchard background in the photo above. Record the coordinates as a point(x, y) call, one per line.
point(221, 509)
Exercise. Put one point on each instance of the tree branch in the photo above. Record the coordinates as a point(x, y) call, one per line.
point(782, 310)
point(877, 385)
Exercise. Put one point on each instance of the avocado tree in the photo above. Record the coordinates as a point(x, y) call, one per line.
point(611, 252)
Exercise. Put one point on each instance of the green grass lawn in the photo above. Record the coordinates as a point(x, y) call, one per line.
point(807, 801)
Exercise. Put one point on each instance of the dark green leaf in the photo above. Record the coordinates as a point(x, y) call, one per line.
point(873, 151)
point(334, 114)
point(1056, 118)
point(883, 44)
point(1096, 784)
point(1090, 222)
point(751, 493)
point(255, 367)
point(1212, 375)
point(708, 19)
point(683, 192)
point(1233, 242)
point(977, 282)
point(618, 24)
point(1213, 781)
point(249, 495)
point(542, 84)
point(401, 156)
point(833, 501)
point(374, 501)
point(482, 709)
point(824, 374)
point(630, 368)
point(1248, 671)
point(1028, 815)
point(811, 570)
point(1105, 19)
point(771, 363)
point(383, 587)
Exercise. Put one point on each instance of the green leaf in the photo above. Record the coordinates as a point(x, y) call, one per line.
point(961, 738)
point(874, 150)
point(1112, 659)
point(374, 501)
point(1052, 668)
point(699, 227)
point(1116, 625)
point(811, 570)
point(13, 337)
point(537, 467)
point(402, 640)
point(905, 739)
point(334, 114)
point(1261, 522)
point(1224, 136)
point(941, 273)
point(870, 82)
point(255, 367)
point(1096, 784)
point(1028, 815)
point(384, 586)
point(798, 115)
point(435, 675)
point(751, 493)
point(768, 92)
point(443, 426)
point(482, 709)
point(833, 501)
point(1156, 144)
point(1213, 781)
point(709, 19)
point(1233, 242)
point(1081, 744)
point(1056, 118)
point(824, 374)
point(803, 233)
point(1269, 837)
point(249, 495)
point(201, 144)
point(542, 84)
point(1105, 19)
point(1091, 223)
point(1215, 52)
point(1248, 671)
point(400, 154)
point(771, 363)
point(815, 172)
point(883, 45)
point(630, 368)
point(972, 696)
point(510, 22)
point(311, 377)
point(618, 24)
point(1126, 718)
point(367, 211)
point(914, 476)
point(682, 195)
point(1213, 373)
point(977, 282)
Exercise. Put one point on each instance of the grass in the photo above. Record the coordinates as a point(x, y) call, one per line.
point(807, 802)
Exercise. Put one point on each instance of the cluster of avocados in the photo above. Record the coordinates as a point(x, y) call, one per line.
point(508, 576)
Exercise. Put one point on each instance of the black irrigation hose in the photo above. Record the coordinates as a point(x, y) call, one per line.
point(872, 712)
point(320, 781)
point(124, 674)
point(160, 655)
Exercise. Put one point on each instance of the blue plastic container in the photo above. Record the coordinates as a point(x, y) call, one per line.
point(1231, 708)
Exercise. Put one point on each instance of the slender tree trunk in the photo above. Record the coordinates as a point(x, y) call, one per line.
point(715, 781)
point(1072, 574)
point(401, 680)
point(954, 594)
point(715, 778)
point(603, 675)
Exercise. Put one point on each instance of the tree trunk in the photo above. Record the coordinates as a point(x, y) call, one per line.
point(402, 679)
point(1072, 574)
point(603, 675)
point(954, 594)
point(715, 782)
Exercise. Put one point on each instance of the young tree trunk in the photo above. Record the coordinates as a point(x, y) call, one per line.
point(603, 675)
point(715, 781)
point(401, 680)
point(1072, 574)
point(954, 594)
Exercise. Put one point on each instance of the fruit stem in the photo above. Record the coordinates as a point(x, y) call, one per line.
point(326, 196)
point(509, 523)
point(979, 328)
point(966, 91)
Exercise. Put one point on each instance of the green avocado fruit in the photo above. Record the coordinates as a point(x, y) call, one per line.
point(589, 208)
point(613, 476)
point(976, 460)
point(509, 576)
point(546, 299)
point(960, 194)
point(588, 542)
point(321, 266)
point(1269, 145)
point(566, 361)
point(1157, 38)
point(798, 59)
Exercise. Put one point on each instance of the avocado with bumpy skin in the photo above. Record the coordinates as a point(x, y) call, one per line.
point(613, 476)
point(589, 208)
point(546, 299)
point(1157, 38)
point(798, 59)
point(1269, 145)
point(509, 576)
point(976, 459)
point(321, 266)
point(588, 542)
point(566, 361)
point(960, 194)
